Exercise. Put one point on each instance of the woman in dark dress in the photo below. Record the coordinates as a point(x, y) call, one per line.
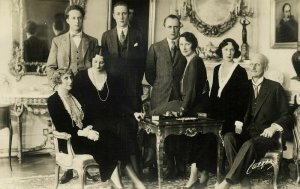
point(230, 92)
point(67, 116)
point(96, 91)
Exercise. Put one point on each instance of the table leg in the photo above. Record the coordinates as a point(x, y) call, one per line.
point(20, 140)
point(159, 156)
point(219, 160)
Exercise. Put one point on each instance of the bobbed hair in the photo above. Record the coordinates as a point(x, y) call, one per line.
point(224, 43)
point(190, 37)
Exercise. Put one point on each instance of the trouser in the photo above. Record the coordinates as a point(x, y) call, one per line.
point(241, 151)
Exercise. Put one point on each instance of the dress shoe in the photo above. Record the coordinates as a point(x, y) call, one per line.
point(149, 163)
point(67, 176)
point(91, 177)
point(195, 185)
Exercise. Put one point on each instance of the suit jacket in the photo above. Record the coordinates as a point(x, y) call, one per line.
point(59, 55)
point(271, 107)
point(163, 74)
point(126, 72)
point(232, 105)
point(35, 50)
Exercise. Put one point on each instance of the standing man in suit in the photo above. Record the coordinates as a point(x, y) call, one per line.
point(164, 69)
point(125, 52)
point(72, 49)
point(267, 113)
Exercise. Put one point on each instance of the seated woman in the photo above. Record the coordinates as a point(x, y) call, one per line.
point(102, 108)
point(68, 116)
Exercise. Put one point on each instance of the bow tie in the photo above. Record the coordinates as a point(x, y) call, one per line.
point(76, 35)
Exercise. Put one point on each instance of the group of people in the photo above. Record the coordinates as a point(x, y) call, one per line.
point(99, 88)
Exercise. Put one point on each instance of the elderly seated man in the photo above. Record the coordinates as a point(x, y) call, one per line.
point(267, 113)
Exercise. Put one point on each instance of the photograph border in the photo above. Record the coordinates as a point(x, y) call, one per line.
point(274, 44)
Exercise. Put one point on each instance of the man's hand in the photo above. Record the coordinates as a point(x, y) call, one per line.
point(238, 129)
point(269, 132)
point(139, 116)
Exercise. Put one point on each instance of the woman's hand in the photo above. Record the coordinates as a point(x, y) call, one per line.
point(89, 133)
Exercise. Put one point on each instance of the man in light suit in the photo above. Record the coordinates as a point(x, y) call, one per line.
point(125, 52)
point(72, 49)
point(267, 113)
point(164, 68)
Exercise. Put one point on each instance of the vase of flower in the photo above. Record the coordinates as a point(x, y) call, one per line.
point(296, 60)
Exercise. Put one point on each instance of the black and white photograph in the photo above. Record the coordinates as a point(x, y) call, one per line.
point(149, 94)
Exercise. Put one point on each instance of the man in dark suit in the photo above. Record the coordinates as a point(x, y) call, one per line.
point(125, 52)
point(35, 49)
point(164, 68)
point(72, 49)
point(267, 113)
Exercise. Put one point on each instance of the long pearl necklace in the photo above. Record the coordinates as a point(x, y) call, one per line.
point(100, 98)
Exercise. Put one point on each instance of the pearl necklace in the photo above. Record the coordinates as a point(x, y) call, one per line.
point(99, 96)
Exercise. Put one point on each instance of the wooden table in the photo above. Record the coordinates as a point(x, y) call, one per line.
point(164, 128)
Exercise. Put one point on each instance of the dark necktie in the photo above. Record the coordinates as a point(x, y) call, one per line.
point(122, 38)
point(173, 49)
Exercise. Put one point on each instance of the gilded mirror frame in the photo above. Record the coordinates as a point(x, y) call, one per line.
point(17, 64)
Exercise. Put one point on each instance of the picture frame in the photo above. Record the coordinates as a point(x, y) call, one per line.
point(284, 31)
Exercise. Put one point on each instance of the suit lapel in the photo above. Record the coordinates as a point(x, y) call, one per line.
point(66, 44)
point(166, 50)
point(85, 44)
point(130, 39)
point(262, 96)
point(114, 41)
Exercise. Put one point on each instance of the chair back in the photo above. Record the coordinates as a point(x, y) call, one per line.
point(296, 134)
point(4, 116)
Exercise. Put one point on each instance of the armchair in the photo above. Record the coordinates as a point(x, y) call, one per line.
point(6, 122)
point(80, 163)
point(296, 146)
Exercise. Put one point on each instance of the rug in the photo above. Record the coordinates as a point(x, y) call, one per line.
point(47, 182)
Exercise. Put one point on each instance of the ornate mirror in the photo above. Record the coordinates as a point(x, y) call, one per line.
point(213, 17)
point(35, 23)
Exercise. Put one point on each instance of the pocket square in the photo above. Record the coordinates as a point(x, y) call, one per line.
point(136, 44)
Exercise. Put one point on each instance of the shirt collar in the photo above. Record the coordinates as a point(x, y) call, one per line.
point(170, 41)
point(258, 82)
point(119, 30)
point(72, 34)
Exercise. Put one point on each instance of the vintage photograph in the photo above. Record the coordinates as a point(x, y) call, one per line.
point(149, 94)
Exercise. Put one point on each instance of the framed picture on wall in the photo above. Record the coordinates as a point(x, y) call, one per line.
point(284, 23)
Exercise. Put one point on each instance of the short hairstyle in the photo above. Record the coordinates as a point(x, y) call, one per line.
point(224, 43)
point(74, 7)
point(58, 25)
point(121, 3)
point(190, 37)
point(30, 27)
point(284, 5)
point(262, 59)
point(56, 77)
point(98, 50)
point(172, 16)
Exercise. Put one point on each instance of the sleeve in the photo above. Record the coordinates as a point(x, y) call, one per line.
point(142, 57)
point(52, 60)
point(284, 117)
point(196, 77)
point(150, 73)
point(59, 119)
